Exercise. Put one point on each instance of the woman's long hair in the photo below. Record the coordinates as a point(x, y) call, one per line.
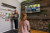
point(23, 18)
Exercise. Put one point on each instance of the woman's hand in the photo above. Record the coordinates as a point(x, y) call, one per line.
point(11, 15)
point(15, 15)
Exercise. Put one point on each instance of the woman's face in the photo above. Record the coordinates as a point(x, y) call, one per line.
point(15, 12)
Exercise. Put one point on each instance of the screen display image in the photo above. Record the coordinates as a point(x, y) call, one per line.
point(32, 8)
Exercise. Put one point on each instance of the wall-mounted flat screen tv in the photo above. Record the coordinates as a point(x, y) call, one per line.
point(32, 8)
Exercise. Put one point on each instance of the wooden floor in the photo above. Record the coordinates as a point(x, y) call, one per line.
point(36, 31)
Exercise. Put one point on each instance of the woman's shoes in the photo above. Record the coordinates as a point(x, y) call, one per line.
point(16, 29)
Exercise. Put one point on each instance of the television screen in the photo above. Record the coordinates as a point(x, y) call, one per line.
point(32, 8)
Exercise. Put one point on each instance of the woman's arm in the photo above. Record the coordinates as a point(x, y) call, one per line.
point(28, 26)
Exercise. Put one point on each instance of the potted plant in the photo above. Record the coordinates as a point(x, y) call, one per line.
point(44, 12)
point(26, 1)
point(49, 27)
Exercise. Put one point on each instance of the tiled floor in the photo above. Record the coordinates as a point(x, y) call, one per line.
point(12, 31)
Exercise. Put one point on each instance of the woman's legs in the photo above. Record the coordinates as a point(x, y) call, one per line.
point(16, 24)
point(12, 24)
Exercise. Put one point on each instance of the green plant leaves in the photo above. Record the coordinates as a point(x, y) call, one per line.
point(44, 11)
point(24, 1)
point(28, 0)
